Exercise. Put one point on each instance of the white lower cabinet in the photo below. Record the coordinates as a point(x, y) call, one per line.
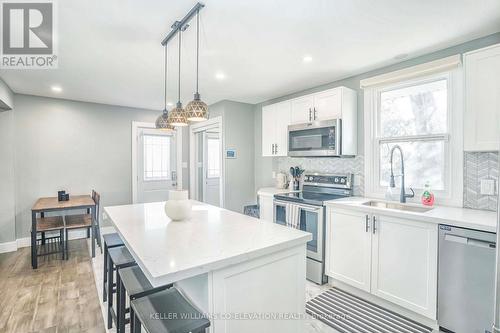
point(266, 208)
point(392, 258)
point(348, 248)
point(404, 263)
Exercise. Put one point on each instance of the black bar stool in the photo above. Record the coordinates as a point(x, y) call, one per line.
point(110, 241)
point(167, 312)
point(118, 257)
point(131, 281)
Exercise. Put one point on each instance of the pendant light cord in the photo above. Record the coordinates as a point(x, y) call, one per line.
point(165, 77)
point(179, 81)
point(197, 47)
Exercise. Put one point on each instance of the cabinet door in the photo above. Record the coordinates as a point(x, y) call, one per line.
point(302, 109)
point(266, 208)
point(348, 248)
point(328, 105)
point(482, 110)
point(268, 132)
point(404, 263)
point(282, 114)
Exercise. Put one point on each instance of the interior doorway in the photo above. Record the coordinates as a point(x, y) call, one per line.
point(156, 167)
point(207, 170)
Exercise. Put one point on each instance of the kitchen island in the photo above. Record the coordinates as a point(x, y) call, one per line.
point(248, 275)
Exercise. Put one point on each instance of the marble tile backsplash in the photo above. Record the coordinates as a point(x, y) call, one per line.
point(477, 166)
point(333, 165)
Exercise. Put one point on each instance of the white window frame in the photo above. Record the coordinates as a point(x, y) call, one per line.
point(154, 179)
point(453, 139)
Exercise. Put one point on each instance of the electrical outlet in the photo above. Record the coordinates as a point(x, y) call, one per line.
point(488, 186)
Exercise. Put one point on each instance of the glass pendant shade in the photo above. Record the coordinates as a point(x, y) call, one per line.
point(196, 110)
point(162, 122)
point(177, 116)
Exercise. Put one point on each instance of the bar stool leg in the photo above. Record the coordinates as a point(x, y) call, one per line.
point(131, 319)
point(105, 269)
point(110, 293)
point(136, 324)
point(120, 304)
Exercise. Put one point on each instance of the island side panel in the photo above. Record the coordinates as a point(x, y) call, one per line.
point(270, 285)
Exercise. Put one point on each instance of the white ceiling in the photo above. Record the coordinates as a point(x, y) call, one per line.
point(110, 52)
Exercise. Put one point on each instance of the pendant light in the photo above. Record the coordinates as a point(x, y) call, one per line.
point(177, 116)
point(197, 110)
point(162, 121)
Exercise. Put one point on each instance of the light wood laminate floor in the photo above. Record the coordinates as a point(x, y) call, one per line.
point(60, 296)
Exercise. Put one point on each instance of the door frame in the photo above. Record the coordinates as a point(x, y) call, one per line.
point(135, 139)
point(193, 129)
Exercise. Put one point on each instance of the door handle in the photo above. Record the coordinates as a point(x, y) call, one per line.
point(314, 113)
point(367, 225)
point(374, 224)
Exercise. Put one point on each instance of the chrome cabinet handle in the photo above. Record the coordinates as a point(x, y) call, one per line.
point(310, 114)
point(272, 149)
point(276, 148)
point(374, 224)
point(314, 113)
point(367, 226)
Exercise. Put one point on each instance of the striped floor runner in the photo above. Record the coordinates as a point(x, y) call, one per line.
point(349, 314)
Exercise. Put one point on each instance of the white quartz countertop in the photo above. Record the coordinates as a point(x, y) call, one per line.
point(453, 216)
point(213, 238)
point(271, 191)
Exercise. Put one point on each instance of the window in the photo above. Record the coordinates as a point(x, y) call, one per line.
point(156, 157)
point(414, 118)
point(423, 119)
point(213, 158)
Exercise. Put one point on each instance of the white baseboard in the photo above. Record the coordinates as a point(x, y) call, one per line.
point(26, 241)
point(8, 247)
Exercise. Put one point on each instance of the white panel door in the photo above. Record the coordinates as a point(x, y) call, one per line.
point(482, 91)
point(156, 164)
point(328, 105)
point(212, 168)
point(404, 266)
point(348, 247)
point(272, 284)
point(302, 109)
point(268, 130)
point(282, 120)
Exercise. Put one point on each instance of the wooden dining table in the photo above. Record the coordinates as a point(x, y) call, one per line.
point(52, 204)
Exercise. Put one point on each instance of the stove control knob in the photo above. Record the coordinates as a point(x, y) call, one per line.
point(342, 180)
point(336, 180)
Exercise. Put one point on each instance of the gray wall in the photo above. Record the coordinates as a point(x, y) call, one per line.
point(70, 145)
point(7, 204)
point(263, 166)
point(238, 120)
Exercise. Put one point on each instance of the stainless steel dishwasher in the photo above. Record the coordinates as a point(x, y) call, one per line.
point(466, 280)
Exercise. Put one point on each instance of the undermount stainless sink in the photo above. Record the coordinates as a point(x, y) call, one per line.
point(398, 206)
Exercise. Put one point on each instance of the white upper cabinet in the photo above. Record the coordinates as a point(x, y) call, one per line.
point(328, 105)
point(275, 121)
point(268, 124)
point(336, 103)
point(482, 99)
point(302, 109)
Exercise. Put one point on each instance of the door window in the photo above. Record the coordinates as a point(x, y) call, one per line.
point(157, 158)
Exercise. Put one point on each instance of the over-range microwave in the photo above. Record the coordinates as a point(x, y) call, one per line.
point(320, 138)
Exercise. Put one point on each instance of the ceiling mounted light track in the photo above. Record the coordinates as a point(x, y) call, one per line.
point(162, 121)
point(196, 110)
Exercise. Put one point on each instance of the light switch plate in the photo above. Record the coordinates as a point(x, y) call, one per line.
point(488, 186)
point(274, 174)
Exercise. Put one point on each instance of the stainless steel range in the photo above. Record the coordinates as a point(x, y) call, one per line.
point(305, 210)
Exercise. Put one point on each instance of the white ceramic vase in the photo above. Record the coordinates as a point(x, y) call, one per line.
point(178, 207)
